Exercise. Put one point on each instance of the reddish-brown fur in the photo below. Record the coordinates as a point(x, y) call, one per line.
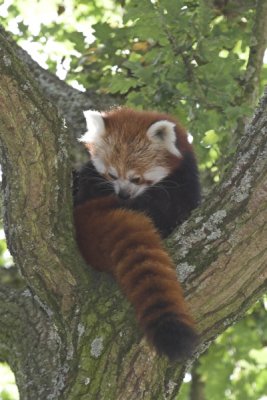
point(126, 244)
point(126, 145)
point(132, 123)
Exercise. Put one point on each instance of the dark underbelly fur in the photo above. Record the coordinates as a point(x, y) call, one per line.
point(168, 203)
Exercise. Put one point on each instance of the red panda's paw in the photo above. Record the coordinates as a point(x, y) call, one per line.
point(174, 338)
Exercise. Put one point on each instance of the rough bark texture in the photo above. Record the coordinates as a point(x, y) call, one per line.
point(71, 334)
point(70, 102)
point(30, 343)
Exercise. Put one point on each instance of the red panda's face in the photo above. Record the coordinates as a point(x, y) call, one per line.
point(132, 153)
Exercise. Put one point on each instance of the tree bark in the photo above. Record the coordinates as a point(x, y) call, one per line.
point(30, 343)
point(71, 334)
point(69, 101)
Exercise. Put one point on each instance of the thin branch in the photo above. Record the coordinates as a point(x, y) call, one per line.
point(257, 49)
point(251, 81)
point(197, 388)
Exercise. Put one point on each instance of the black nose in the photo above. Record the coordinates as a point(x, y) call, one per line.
point(123, 195)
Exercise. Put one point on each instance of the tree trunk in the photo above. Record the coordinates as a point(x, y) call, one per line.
point(70, 334)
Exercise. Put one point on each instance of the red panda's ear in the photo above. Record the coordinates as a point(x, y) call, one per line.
point(95, 127)
point(163, 133)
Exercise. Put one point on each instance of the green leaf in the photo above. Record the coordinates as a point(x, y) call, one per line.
point(260, 356)
point(210, 137)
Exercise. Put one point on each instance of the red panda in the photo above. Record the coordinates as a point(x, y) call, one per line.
point(141, 181)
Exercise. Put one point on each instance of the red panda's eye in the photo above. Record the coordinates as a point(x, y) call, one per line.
point(112, 176)
point(149, 182)
point(136, 180)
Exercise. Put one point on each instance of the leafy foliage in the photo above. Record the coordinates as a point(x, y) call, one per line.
point(183, 57)
point(239, 360)
point(5, 257)
point(8, 389)
point(234, 367)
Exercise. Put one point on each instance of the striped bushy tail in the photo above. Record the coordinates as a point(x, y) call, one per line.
point(147, 276)
point(131, 249)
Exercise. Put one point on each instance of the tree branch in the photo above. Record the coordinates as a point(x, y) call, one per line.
point(69, 101)
point(223, 250)
point(256, 53)
point(36, 182)
point(29, 342)
point(251, 81)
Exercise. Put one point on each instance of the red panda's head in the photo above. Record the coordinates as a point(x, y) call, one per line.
point(134, 149)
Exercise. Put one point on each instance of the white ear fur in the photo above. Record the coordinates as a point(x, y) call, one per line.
point(95, 126)
point(164, 132)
